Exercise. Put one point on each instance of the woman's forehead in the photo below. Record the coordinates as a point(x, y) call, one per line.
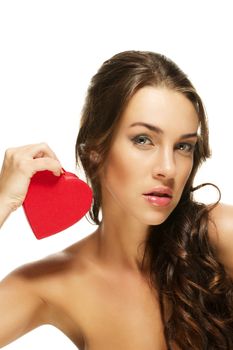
point(160, 106)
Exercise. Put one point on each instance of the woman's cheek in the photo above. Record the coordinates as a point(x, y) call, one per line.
point(116, 169)
point(184, 173)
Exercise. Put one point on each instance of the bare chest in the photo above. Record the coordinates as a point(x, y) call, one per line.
point(117, 315)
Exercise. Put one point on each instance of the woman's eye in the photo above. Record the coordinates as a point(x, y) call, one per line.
point(141, 140)
point(186, 147)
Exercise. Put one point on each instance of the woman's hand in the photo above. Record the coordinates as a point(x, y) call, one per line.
point(19, 165)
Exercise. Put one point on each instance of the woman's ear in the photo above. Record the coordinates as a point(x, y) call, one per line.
point(94, 157)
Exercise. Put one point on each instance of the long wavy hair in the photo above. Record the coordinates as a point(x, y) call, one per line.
point(195, 293)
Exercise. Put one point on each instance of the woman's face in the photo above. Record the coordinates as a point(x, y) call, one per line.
point(145, 159)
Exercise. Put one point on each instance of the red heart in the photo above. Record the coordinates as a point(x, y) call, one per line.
point(54, 203)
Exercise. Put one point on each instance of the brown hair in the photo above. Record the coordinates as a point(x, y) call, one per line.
point(183, 265)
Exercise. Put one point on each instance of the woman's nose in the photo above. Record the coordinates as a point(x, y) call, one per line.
point(165, 164)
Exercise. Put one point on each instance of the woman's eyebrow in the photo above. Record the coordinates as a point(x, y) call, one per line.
point(160, 131)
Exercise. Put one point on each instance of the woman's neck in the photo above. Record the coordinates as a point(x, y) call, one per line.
point(121, 244)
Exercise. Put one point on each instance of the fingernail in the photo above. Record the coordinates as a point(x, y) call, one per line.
point(56, 173)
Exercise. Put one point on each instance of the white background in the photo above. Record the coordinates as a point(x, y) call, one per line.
point(48, 52)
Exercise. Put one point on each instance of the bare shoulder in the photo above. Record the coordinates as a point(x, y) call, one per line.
point(55, 269)
point(46, 291)
point(220, 230)
point(221, 223)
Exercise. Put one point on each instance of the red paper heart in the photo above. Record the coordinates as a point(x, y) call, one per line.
point(54, 203)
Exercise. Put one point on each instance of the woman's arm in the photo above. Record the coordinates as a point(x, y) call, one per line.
point(221, 234)
point(5, 210)
point(21, 306)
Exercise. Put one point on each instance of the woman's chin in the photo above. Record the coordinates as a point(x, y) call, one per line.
point(156, 221)
point(159, 217)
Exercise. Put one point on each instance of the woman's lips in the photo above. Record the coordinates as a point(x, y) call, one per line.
point(156, 200)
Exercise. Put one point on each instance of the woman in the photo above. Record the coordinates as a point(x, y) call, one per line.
point(157, 272)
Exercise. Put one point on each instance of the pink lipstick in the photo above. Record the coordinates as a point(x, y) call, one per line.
point(159, 196)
